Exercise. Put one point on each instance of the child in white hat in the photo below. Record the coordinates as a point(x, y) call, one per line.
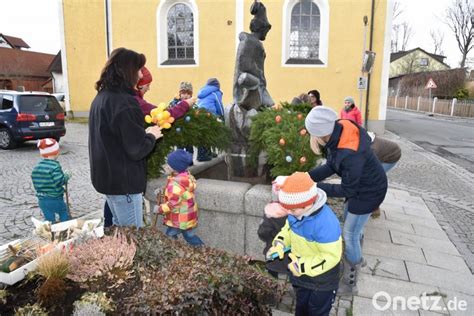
point(312, 235)
point(49, 180)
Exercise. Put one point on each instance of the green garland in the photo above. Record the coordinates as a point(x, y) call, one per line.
point(282, 135)
point(197, 128)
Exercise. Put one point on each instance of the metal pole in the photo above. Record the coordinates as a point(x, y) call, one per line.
point(361, 91)
point(452, 105)
point(418, 104)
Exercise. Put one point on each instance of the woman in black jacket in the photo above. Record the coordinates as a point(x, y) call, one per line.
point(363, 181)
point(118, 143)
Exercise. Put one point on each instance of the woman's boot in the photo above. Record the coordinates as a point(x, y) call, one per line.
point(348, 282)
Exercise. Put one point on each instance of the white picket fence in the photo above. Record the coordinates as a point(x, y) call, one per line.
point(462, 108)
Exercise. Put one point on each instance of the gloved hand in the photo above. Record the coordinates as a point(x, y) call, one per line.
point(278, 248)
point(294, 265)
point(67, 175)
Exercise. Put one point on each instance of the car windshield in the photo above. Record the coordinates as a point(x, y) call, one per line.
point(38, 104)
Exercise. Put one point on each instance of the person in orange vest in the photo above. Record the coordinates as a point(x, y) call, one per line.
point(363, 181)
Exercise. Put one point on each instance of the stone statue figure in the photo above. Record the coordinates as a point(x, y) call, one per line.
point(250, 86)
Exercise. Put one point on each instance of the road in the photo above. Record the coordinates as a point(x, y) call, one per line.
point(451, 138)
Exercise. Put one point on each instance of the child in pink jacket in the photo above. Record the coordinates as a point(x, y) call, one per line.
point(351, 111)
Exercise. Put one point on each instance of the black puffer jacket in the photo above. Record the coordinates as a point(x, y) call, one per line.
point(118, 144)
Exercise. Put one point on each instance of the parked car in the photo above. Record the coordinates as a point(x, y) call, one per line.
point(61, 99)
point(28, 116)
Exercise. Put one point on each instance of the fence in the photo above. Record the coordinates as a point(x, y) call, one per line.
point(462, 108)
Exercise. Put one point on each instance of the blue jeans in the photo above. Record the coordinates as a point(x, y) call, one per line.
point(313, 303)
point(388, 166)
point(126, 209)
point(50, 206)
point(353, 232)
point(189, 235)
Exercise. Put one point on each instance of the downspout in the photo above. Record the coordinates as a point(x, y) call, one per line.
point(107, 27)
point(367, 96)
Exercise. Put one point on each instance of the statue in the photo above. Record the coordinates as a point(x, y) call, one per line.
point(250, 86)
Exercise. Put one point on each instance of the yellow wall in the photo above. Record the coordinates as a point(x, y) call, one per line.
point(401, 65)
point(84, 31)
point(134, 27)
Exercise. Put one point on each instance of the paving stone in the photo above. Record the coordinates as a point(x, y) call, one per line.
point(376, 233)
point(402, 217)
point(390, 225)
point(446, 261)
point(435, 233)
point(386, 267)
point(452, 302)
point(389, 250)
point(419, 212)
point(456, 281)
point(365, 307)
point(424, 242)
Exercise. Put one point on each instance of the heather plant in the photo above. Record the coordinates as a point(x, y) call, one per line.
point(3, 296)
point(87, 309)
point(201, 280)
point(110, 256)
point(31, 310)
point(99, 299)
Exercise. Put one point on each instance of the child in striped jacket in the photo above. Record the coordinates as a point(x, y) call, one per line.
point(49, 180)
point(179, 208)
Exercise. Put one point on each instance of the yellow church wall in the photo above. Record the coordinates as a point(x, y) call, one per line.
point(134, 25)
point(84, 30)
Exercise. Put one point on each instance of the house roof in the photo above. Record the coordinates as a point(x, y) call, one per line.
point(16, 42)
point(56, 65)
point(400, 54)
point(15, 62)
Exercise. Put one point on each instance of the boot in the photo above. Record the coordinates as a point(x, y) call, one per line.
point(348, 282)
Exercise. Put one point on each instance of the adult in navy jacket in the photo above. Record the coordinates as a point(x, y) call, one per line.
point(363, 181)
point(118, 143)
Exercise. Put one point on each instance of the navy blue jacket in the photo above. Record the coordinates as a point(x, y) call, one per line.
point(363, 180)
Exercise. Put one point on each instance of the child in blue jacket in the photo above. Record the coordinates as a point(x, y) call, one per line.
point(312, 235)
point(210, 99)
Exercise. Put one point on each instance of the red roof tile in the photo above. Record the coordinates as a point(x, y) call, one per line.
point(15, 62)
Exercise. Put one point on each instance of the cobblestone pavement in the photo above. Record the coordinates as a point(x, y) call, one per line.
point(447, 189)
point(17, 198)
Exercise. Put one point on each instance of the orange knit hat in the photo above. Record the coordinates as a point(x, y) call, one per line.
point(298, 191)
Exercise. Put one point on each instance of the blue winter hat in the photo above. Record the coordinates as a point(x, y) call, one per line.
point(213, 82)
point(180, 160)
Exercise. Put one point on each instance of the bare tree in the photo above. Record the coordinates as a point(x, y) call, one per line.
point(437, 37)
point(407, 33)
point(460, 19)
point(401, 31)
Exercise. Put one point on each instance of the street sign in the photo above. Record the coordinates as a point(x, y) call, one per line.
point(362, 83)
point(431, 84)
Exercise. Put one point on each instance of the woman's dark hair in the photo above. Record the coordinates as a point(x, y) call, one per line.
point(121, 70)
point(317, 95)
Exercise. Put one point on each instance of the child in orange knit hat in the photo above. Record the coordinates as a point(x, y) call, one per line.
point(312, 235)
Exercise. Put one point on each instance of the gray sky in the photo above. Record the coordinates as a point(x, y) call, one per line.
point(37, 22)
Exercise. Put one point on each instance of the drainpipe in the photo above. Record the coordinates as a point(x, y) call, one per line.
point(107, 26)
point(367, 96)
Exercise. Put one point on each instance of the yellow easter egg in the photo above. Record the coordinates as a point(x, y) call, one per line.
point(166, 114)
point(148, 119)
point(166, 125)
point(154, 112)
point(159, 116)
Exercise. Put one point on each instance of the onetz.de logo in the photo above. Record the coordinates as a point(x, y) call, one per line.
point(383, 301)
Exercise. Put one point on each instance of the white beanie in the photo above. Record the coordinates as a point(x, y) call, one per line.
point(320, 121)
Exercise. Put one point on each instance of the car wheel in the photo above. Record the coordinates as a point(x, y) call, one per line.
point(6, 139)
